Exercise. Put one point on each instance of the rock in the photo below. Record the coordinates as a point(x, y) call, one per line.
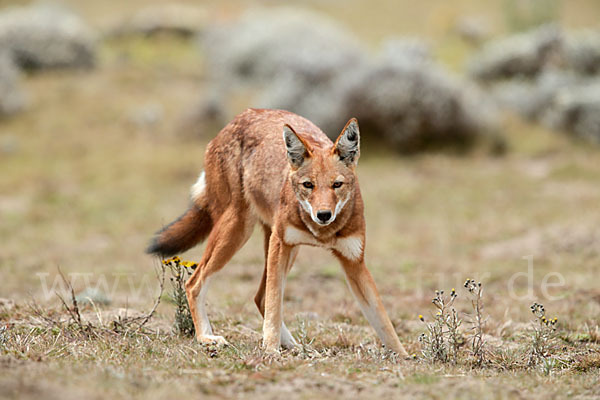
point(92, 295)
point(7, 304)
point(577, 109)
point(472, 29)
point(12, 98)
point(178, 19)
point(522, 55)
point(42, 36)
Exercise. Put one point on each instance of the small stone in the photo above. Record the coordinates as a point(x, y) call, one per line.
point(92, 295)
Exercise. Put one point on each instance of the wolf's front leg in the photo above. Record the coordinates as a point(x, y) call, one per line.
point(277, 267)
point(365, 292)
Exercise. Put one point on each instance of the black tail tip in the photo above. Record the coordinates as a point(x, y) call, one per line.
point(160, 249)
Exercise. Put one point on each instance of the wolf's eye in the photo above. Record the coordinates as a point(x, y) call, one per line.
point(337, 185)
point(308, 185)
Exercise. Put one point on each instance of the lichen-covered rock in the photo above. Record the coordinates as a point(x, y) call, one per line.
point(522, 55)
point(12, 98)
point(43, 36)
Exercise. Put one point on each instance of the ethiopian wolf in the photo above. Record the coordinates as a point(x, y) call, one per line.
point(277, 169)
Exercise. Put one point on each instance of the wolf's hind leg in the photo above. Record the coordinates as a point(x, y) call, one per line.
point(228, 235)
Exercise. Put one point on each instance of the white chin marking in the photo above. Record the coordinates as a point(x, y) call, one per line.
point(339, 206)
point(350, 247)
point(199, 187)
point(308, 208)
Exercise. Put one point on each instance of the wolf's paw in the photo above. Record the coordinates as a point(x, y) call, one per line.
point(212, 340)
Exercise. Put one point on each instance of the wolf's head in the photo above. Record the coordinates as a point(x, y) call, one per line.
point(323, 179)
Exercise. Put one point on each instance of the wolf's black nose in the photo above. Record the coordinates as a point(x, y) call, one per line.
point(323, 216)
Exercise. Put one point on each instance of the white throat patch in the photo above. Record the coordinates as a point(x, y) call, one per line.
point(295, 236)
point(350, 247)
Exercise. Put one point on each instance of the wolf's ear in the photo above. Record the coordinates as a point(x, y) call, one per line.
point(297, 150)
point(347, 145)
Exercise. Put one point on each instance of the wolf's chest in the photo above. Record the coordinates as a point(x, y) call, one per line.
point(350, 247)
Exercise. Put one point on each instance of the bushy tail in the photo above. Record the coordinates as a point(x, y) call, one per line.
point(182, 234)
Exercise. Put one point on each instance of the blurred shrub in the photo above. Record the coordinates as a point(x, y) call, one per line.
point(582, 51)
point(304, 63)
point(576, 109)
point(179, 19)
point(522, 55)
point(277, 44)
point(546, 75)
point(44, 36)
point(531, 97)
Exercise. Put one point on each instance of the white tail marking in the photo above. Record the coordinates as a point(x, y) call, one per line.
point(199, 187)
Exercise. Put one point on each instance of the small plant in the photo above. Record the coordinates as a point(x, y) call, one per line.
point(475, 291)
point(442, 339)
point(306, 349)
point(543, 335)
point(3, 337)
point(180, 271)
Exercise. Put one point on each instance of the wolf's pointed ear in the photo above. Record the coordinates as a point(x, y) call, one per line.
point(297, 150)
point(347, 145)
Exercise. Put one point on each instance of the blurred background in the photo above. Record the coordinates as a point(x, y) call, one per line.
point(480, 125)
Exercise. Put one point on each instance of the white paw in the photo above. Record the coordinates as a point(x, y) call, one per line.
point(212, 339)
point(287, 340)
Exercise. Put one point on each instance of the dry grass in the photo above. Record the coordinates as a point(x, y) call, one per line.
point(85, 188)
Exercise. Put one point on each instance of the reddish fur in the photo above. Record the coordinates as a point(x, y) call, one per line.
point(249, 180)
point(185, 232)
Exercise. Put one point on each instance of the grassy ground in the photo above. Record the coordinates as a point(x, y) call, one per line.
point(83, 186)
